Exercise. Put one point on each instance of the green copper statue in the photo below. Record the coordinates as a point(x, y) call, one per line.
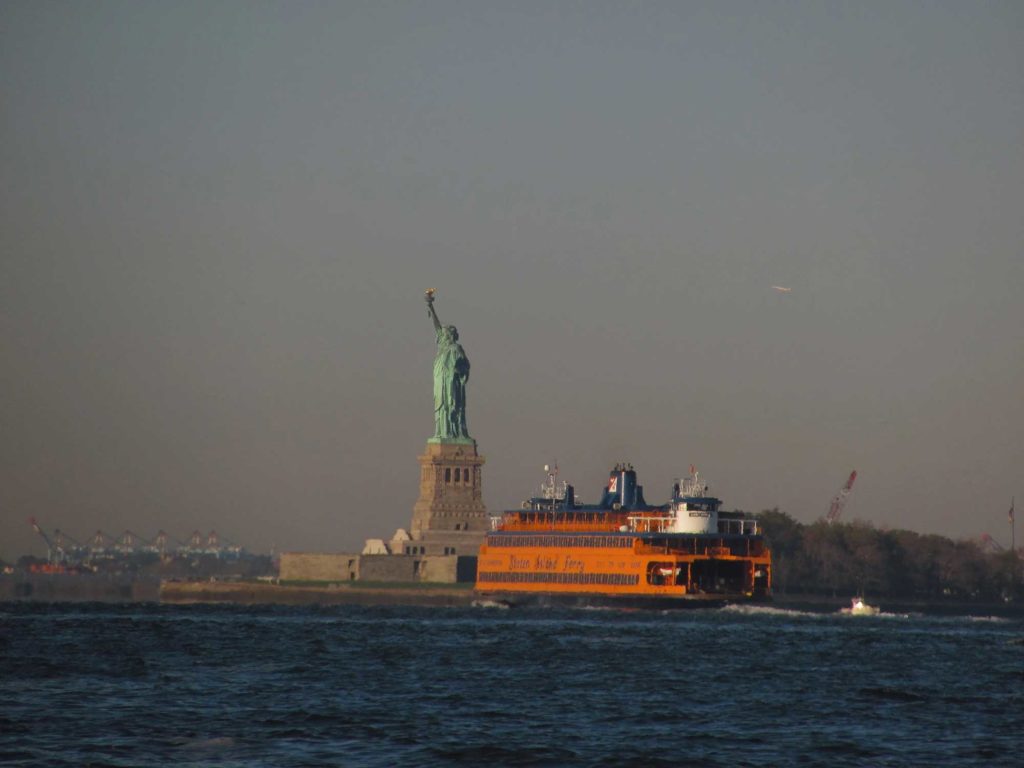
point(451, 372)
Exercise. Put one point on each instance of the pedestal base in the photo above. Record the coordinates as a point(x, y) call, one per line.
point(449, 518)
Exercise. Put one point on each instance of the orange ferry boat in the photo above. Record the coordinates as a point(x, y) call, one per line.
point(623, 551)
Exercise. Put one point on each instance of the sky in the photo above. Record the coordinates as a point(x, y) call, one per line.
point(218, 220)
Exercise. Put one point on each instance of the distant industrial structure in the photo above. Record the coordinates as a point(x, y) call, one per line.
point(136, 558)
point(64, 549)
point(835, 509)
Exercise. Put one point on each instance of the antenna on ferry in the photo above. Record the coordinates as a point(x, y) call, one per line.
point(549, 491)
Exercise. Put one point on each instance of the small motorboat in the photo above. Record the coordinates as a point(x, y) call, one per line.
point(859, 608)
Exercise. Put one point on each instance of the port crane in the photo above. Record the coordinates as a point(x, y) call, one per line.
point(163, 541)
point(101, 544)
point(63, 549)
point(51, 549)
point(130, 542)
point(836, 508)
point(69, 544)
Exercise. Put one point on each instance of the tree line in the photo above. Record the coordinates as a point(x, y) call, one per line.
point(840, 559)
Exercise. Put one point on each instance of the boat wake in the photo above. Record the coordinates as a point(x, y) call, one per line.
point(764, 610)
point(490, 604)
point(879, 615)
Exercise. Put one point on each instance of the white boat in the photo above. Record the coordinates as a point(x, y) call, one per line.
point(859, 608)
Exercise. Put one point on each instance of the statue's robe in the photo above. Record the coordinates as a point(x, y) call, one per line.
point(451, 372)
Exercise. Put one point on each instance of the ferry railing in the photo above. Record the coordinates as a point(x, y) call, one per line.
point(651, 523)
point(702, 546)
point(581, 522)
point(561, 526)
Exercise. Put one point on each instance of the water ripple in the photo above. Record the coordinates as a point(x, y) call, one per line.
point(228, 686)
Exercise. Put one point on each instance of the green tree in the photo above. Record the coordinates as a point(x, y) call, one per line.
point(785, 538)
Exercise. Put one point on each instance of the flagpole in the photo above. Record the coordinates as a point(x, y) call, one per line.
point(1013, 538)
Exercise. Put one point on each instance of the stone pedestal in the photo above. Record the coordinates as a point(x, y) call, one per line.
point(449, 518)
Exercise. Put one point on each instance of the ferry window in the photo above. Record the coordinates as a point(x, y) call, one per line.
point(448, 474)
point(465, 474)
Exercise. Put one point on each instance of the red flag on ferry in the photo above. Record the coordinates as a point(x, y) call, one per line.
point(1011, 511)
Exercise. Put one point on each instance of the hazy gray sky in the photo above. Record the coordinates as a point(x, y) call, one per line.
point(217, 221)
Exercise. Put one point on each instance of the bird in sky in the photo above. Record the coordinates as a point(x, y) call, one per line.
point(780, 289)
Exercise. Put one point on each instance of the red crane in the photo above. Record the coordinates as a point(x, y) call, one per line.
point(51, 551)
point(836, 509)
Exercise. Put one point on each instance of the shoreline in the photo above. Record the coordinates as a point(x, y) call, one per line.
point(63, 588)
point(250, 593)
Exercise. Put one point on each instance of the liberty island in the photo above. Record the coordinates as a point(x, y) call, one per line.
point(449, 518)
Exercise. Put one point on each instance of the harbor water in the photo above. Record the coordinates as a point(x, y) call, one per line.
point(140, 685)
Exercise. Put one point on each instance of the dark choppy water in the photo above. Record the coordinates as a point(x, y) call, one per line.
point(346, 686)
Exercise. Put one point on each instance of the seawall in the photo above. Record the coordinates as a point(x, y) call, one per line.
point(78, 588)
point(248, 593)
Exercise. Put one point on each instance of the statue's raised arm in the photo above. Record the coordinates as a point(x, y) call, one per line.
point(429, 296)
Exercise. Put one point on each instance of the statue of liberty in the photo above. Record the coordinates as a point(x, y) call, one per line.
point(451, 372)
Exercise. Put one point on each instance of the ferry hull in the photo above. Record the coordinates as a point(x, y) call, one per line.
point(622, 602)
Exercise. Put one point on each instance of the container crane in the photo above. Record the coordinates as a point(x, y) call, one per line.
point(196, 542)
point(68, 543)
point(163, 541)
point(130, 542)
point(836, 508)
point(101, 544)
point(50, 548)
